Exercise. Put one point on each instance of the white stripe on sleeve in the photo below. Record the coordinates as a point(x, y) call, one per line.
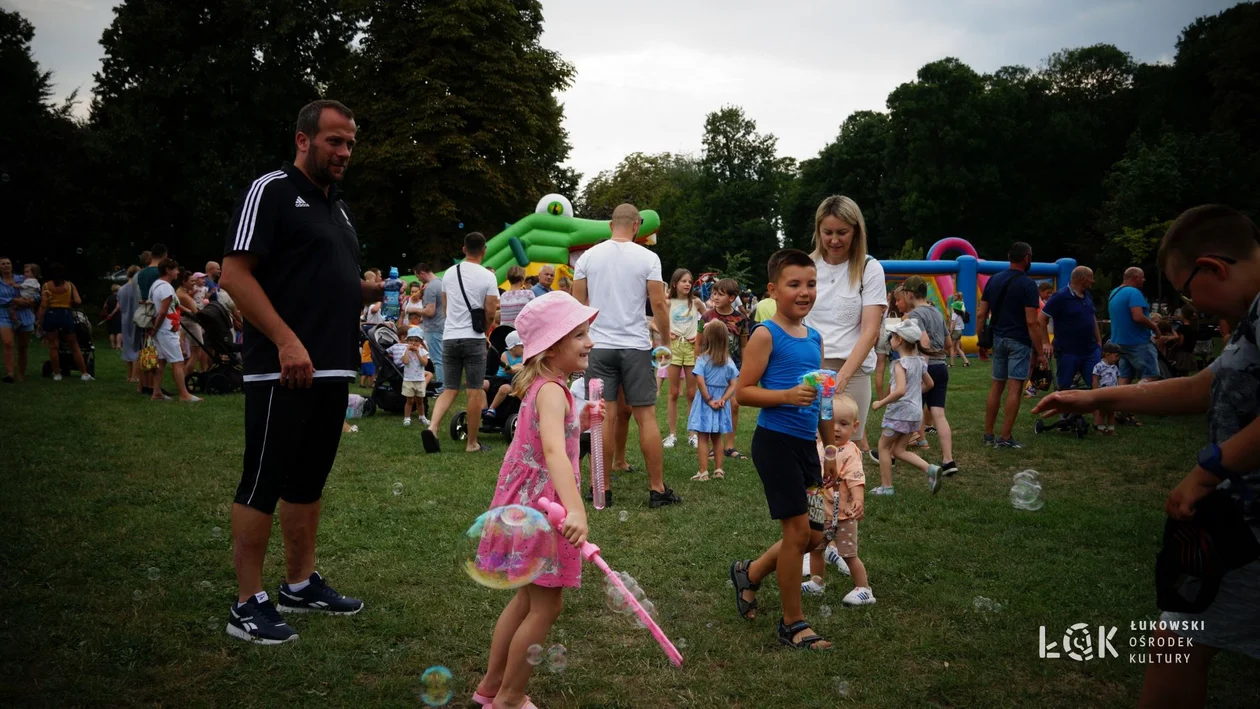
point(249, 212)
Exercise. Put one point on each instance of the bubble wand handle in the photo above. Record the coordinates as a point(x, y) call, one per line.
point(555, 514)
point(599, 483)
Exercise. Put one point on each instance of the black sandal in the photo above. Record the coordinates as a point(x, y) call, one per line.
point(739, 578)
point(430, 441)
point(734, 453)
point(787, 632)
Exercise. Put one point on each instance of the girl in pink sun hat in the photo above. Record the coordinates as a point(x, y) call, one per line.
point(541, 462)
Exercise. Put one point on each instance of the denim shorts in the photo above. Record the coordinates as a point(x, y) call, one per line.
point(1012, 360)
point(1139, 361)
point(465, 356)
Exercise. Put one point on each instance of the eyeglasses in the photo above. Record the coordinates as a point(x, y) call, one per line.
point(1194, 272)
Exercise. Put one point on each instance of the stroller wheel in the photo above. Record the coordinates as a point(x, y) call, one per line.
point(369, 407)
point(216, 383)
point(1039, 426)
point(1082, 427)
point(509, 427)
point(459, 426)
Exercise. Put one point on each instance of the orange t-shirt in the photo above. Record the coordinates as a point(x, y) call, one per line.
point(365, 354)
point(852, 475)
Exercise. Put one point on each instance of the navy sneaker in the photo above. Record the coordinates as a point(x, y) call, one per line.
point(1007, 443)
point(988, 440)
point(317, 597)
point(257, 621)
point(660, 499)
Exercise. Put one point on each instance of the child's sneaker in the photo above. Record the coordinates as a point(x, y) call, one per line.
point(859, 597)
point(930, 429)
point(87, 378)
point(424, 421)
point(670, 441)
point(949, 468)
point(407, 421)
point(833, 557)
point(988, 440)
point(934, 478)
point(1008, 443)
point(693, 441)
point(56, 377)
point(814, 586)
point(881, 490)
point(489, 414)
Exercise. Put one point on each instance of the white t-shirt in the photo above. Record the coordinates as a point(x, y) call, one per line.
point(160, 291)
point(617, 274)
point(479, 284)
point(837, 312)
point(413, 370)
point(955, 321)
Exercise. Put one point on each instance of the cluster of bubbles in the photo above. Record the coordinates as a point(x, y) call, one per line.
point(436, 686)
point(509, 547)
point(824, 611)
point(619, 603)
point(556, 657)
point(981, 604)
point(1026, 491)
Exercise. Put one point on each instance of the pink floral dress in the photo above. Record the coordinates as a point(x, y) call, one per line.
point(524, 478)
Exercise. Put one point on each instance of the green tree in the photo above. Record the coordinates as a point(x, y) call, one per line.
point(459, 119)
point(194, 100)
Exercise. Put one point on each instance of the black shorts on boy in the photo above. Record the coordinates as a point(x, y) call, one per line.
point(789, 469)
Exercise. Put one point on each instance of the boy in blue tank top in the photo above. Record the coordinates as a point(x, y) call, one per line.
point(783, 447)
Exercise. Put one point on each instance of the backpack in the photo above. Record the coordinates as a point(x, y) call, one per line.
point(144, 316)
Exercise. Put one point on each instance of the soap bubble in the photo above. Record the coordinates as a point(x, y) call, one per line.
point(436, 688)
point(1027, 475)
point(662, 356)
point(1026, 495)
point(980, 604)
point(650, 608)
point(509, 547)
point(616, 601)
point(534, 654)
point(681, 644)
point(137, 594)
point(557, 658)
point(154, 573)
point(205, 585)
point(216, 532)
point(623, 516)
point(824, 611)
point(397, 488)
point(841, 686)
point(79, 251)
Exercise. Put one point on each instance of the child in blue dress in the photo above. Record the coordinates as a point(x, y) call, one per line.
point(716, 375)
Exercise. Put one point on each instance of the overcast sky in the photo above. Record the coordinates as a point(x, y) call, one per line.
point(649, 71)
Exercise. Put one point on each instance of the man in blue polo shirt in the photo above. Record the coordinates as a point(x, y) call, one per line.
point(1011, 297)
point(1077, 344)
point(1131, 328)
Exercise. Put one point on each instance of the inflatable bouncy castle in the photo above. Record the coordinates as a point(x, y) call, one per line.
point(966, 274)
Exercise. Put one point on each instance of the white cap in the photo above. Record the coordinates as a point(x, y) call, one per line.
point(513, 340)
point(907, 330)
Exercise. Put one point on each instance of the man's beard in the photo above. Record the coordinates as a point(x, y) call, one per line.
point(319, 173)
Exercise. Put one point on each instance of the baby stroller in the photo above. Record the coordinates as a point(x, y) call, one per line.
point(83, 332)
point(225, 374)
point(506, 415)
point(387, 390)
point(1070, 423)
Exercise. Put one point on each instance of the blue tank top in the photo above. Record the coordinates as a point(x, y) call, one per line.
point(791, 358)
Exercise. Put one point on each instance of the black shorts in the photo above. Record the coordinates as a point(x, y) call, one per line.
point(789, 469)
point(291, 438)
point(939, 373)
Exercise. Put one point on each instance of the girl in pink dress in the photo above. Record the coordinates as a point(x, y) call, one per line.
point(541, 462)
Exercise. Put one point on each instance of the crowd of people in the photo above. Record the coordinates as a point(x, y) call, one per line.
point(891, 354)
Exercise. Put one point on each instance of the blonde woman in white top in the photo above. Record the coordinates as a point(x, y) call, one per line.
point(850, 304)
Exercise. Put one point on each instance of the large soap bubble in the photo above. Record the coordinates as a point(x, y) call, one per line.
point(510, 547)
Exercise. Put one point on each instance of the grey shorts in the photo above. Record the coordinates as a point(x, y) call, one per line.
point(629, 370)
point(467, 355)
point(1232, 622)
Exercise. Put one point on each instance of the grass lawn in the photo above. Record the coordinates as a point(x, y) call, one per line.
point(100, 485)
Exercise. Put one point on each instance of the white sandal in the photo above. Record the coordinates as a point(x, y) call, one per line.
point(701, 476)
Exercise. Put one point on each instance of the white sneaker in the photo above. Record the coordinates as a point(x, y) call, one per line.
point(56, 377)
point(814, 586)
point(693, 441)
point(881, 490)
point(406, 422)
point(670, 440)
point(859, 597)
point(87, 378)
point(833, 557)
point(424, 421)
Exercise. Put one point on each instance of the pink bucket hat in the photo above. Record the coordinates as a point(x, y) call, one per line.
point(548, 318)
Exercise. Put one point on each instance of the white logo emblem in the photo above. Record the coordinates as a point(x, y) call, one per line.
point(300, 203)
point(1078, 643)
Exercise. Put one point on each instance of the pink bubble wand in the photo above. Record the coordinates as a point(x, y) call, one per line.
point(599, 483)
point(556, 514)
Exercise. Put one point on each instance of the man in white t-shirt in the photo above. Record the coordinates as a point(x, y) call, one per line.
point(165, 331)
point(470, 300)
point(618, 277)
